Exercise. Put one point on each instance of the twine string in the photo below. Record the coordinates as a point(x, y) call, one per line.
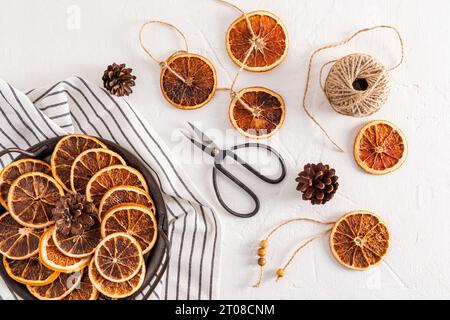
point(233, 92)
point(299, 248)
point(345, 41)
point(281, 225)
point(163, 63)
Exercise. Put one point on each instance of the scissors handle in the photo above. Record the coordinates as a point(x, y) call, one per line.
point(255, 171)
point(230, 176)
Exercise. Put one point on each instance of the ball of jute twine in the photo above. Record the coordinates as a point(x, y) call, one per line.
point(357, 84)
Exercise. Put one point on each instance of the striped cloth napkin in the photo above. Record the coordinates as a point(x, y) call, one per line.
point(78, 106)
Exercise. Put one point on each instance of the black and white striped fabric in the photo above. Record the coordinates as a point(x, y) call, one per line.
point(77, 106)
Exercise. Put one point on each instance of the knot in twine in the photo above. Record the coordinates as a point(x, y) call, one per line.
point(357, 85)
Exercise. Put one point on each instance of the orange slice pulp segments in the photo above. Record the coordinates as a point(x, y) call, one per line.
point(110, 177)
point(188, 81)
point(116, 290)
point(359, 240)
point(65, 153)
point(257, 112)
point(118, 257)
point(54, 259)
point(14, 170)
point(29, 271)
point(78, 246)
point(135, 220)
point(380, 147)
point(85, 291)
point(124, 194)
point(31, 199)
point(89, 163)
point(16, 241)
point(261, 47)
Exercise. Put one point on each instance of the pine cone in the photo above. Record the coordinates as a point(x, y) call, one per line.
point(118, 80)
point(317, 182)
point(74, 214)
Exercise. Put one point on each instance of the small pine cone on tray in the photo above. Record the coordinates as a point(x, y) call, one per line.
point(317, 182)
point(118, 80)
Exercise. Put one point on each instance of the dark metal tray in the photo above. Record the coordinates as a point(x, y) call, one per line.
point(156, 260)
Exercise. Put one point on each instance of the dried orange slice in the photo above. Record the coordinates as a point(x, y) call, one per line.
point(85, 291)
point(359, 240)
point(188, 81)
point(29, 271)
point(261, 47)
point(16, 241)
point(89, 163)
point(257, 112)
point(31, 199)
point(111, 177)
point(54, 259)
point(78, 246)
point(66, 151)
point(116, 290)
point(118, 257)
point(380, 147)
point(136, 220)
point(58, 289)
point(124, 194)
point(14, 170)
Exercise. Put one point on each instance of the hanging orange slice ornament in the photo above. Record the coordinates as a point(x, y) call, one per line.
point(358, 240)
point(262, 36)
point(31, 199)
point(257, 112)
point(188, 81)
point(256, 41)
point(380, 147)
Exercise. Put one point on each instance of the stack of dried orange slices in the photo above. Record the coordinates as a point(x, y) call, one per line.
point(79, 227)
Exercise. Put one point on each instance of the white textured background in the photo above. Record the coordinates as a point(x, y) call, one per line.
point(46, 41)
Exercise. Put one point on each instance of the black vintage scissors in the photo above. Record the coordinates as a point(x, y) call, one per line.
point(219, 155)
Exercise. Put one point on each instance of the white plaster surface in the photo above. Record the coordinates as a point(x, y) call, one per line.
point(46, 41)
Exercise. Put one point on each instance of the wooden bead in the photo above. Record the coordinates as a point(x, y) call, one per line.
point(280, 273)
point(261, 252)
point(262, 262)
point(264, 243)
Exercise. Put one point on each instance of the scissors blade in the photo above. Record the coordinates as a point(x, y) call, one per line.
point(204, 138)
point(195, 142)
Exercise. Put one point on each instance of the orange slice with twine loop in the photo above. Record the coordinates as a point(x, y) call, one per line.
point(188, 81)
point(380, 147)
point(124, 194)
point(135, 220)
point(85, 291)
point(16, 241)
point(29, 271)
point(65, 153)
point(116, 290)
point(14, 170)
point(257, 112)
point(54, 259)
point(58, 289)
point(257, 41)
point(31, 199)
point(89, 163)
point(118, 257)
point(359, 240)
point(110, 177)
